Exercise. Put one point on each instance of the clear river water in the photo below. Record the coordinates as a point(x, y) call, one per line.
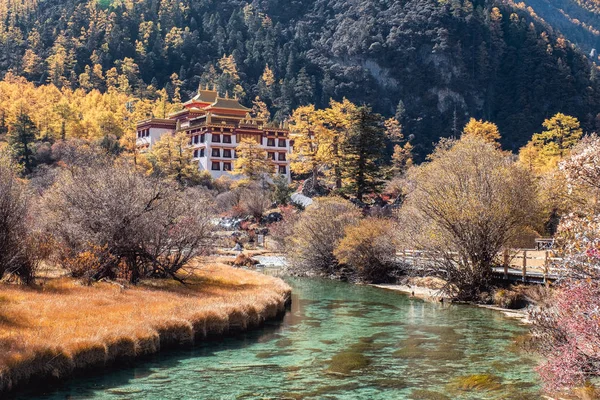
point(338, 341)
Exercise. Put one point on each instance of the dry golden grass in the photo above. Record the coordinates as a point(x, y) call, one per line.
point(62, 326)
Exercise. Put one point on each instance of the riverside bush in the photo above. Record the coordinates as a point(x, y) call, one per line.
point(20, 248)
point(109, 220)
point(369, 248)
point(317, 233)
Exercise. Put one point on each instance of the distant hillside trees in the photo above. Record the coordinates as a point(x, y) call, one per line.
point(443, 62)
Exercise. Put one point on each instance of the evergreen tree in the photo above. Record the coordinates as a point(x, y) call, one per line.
point(304, 88)
point(282, 190)
point(21, 136)
point(363, 150)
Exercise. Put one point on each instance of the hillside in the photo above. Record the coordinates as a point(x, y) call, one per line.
point(444, 60)
point(578, 20)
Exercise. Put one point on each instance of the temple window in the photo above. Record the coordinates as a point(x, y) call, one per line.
point(216, 166)
point(216, 138)
point(226, 166)
point(227, 153)
point(270, 142)
point(271, 155)
point(216, 152)
point(226, 138)
point(281, 142)
point(281, 156)
point(201, 152)
point(282, 169)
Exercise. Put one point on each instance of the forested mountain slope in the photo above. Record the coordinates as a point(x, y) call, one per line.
point(444, 60)
point(578, 20)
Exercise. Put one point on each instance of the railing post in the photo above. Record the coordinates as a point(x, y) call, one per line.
point(505, 263)
point(524, 265)
point(546, 261)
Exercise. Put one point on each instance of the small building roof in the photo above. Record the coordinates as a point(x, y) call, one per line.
point(156, 122)
point(228, 104)
point(204, 96)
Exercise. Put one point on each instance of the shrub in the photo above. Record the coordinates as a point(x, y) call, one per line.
point(18, 253)
point(255, 201)
point(511, 299)
point(281, 231)
point(318, 232)
point(108, 219)
point(369, 247)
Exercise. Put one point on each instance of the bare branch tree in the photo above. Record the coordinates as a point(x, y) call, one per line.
point(467, 203)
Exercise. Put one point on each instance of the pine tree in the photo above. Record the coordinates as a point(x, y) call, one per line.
point(485, 130)
point(260, 110)
point(282, 190)
point(304, 88)
point(363, 151)
point(400, 112)
point(308, 143)
point(562, 132)
point(334, 125)
point(229, 81)
point(21, 136)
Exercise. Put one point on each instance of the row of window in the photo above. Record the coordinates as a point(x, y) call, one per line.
point(197, 139)
point(198, 153)
point(217, 138)
point(216, 166)
point(228, 153)
point(143, 133)
point(280, 156)
point(271, 142)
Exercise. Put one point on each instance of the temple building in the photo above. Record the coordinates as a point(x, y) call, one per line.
point(215, 126)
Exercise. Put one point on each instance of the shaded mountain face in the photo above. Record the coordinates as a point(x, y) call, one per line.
point(578, 20)
point(445, 60)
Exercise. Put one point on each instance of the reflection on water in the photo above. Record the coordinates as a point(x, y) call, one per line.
point(339, 341)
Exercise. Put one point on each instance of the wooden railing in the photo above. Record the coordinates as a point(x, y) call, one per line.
point(527, 264)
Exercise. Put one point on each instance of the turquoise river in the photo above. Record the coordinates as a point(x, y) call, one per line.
point(338, 341)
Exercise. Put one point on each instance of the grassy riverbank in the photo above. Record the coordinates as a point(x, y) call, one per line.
point(63, 327)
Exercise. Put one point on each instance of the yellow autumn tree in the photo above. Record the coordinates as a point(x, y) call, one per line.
point(172, 157)
point(547, 148)
point(402, 158)
point(66, 113)
point(252, 162)
point(307, 133)
point(485, 130)
point(334, 124)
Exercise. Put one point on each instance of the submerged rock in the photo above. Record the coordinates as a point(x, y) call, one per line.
point(477, 382)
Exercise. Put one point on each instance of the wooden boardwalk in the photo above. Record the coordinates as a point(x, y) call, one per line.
point(517, 265)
